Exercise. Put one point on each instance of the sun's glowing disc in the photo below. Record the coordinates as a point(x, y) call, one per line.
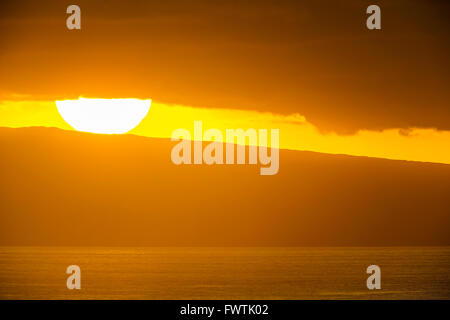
point(103, 115)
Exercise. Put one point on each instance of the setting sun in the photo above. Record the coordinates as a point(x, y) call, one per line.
point(103, 115)
point(209, 153)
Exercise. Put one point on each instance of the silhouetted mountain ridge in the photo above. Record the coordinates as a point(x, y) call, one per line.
point(70, 188)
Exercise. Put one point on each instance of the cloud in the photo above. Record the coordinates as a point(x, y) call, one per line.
point(313, 58)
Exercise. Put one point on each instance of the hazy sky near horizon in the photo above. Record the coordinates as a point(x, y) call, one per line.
point(312, 58)
point(296, 132)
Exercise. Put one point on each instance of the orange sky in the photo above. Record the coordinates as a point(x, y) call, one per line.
point(295, 131)
point(311, 69)
point(308, 68)
point(315, 58)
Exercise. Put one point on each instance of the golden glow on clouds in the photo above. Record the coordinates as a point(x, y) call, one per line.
point(103, 115)
point(295, 131)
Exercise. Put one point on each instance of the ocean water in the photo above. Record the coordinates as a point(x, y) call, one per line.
point(225, 273)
